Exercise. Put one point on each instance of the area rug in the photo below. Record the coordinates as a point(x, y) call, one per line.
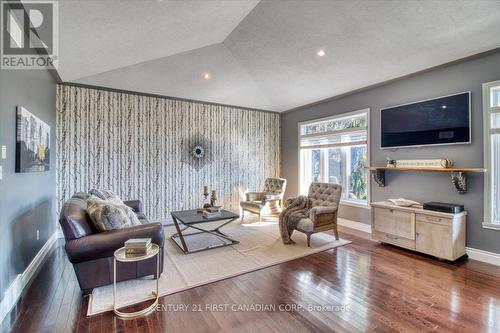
point(260, 246)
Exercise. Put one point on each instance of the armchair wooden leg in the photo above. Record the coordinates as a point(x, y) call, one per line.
point(308, 240)
point(336, 232)
point(242, 215)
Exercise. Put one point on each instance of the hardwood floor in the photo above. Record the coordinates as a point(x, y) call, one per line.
point(363, 286)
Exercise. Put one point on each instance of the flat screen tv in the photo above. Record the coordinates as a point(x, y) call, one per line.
point(437, 121)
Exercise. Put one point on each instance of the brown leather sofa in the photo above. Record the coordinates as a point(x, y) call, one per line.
point(91, 252)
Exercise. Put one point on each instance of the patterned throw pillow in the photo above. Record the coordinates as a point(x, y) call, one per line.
point(109, 215)
point(106, 195)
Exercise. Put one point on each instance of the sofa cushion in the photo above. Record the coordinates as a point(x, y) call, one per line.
point(105, 195)
point(110, 214)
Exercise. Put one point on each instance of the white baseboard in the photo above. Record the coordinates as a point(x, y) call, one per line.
point(17, 286)
point(484, 256)
point(355, 225)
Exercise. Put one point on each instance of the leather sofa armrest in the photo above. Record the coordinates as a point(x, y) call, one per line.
point(255, 196)
point(104, 244)
point(319, 214)
point(136, 205)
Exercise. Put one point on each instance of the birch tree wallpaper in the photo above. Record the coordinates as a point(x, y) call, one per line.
point(141, 148)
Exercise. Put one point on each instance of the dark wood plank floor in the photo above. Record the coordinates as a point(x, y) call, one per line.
point(363, 286)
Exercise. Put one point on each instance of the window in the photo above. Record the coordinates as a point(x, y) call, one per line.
point(334, 150)
point(491, 116)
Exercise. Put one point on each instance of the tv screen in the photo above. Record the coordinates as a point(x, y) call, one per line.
point(443, 120)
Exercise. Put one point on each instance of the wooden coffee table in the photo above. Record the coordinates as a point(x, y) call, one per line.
point(202, 239)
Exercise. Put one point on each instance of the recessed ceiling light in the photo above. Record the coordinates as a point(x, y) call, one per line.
point(207, 76)
point(321, 53)
point(444, 107)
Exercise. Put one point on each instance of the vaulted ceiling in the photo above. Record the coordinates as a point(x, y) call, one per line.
point(264, 54)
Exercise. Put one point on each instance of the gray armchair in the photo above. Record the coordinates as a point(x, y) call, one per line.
point(324, 199)
point(267, 201)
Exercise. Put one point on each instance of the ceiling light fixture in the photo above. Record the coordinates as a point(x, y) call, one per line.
point(321, 53)
point(207, 76)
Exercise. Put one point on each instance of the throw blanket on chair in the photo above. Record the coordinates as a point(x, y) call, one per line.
point(295, 209)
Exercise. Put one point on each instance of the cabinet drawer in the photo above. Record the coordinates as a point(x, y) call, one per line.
point(394, 222)
point(433, 219)
point(395, 240)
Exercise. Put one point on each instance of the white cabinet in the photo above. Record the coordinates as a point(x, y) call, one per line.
point(438, 234)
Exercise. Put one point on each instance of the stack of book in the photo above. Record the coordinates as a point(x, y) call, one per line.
point(137, 247)
point(212, 212)
point(207, 214)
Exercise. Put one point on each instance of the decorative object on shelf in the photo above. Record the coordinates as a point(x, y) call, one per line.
point(32, 143)
point(213, 198)
point(198, 151)
point(419, 163)
point(446, 163)
point(458, 175)
point(402, 202)
point(391, 163)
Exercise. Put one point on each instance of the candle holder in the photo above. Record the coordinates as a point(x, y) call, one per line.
point(205, 197)
point(213, 198)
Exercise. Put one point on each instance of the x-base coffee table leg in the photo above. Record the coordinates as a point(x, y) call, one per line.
point(179, 234)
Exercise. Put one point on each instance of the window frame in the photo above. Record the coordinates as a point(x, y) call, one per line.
point(368, 159)
point(487, 112)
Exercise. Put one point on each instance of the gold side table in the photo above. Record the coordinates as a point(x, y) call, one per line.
point(119, 255)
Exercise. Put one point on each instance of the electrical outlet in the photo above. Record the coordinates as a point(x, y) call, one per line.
point(4, 152)
point(38, 235)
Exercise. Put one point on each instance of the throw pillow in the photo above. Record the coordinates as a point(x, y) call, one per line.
point(110, 215)
point(106, 195)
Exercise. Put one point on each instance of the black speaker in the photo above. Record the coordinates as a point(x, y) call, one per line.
point(443, 207)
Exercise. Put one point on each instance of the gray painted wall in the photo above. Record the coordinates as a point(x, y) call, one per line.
point(466, 76)
point(27, 200)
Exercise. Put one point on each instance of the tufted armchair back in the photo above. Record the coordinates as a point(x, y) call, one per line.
point(274, 186)
point(324, 194)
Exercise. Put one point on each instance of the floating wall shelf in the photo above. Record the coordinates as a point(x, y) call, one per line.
point(458, 175)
